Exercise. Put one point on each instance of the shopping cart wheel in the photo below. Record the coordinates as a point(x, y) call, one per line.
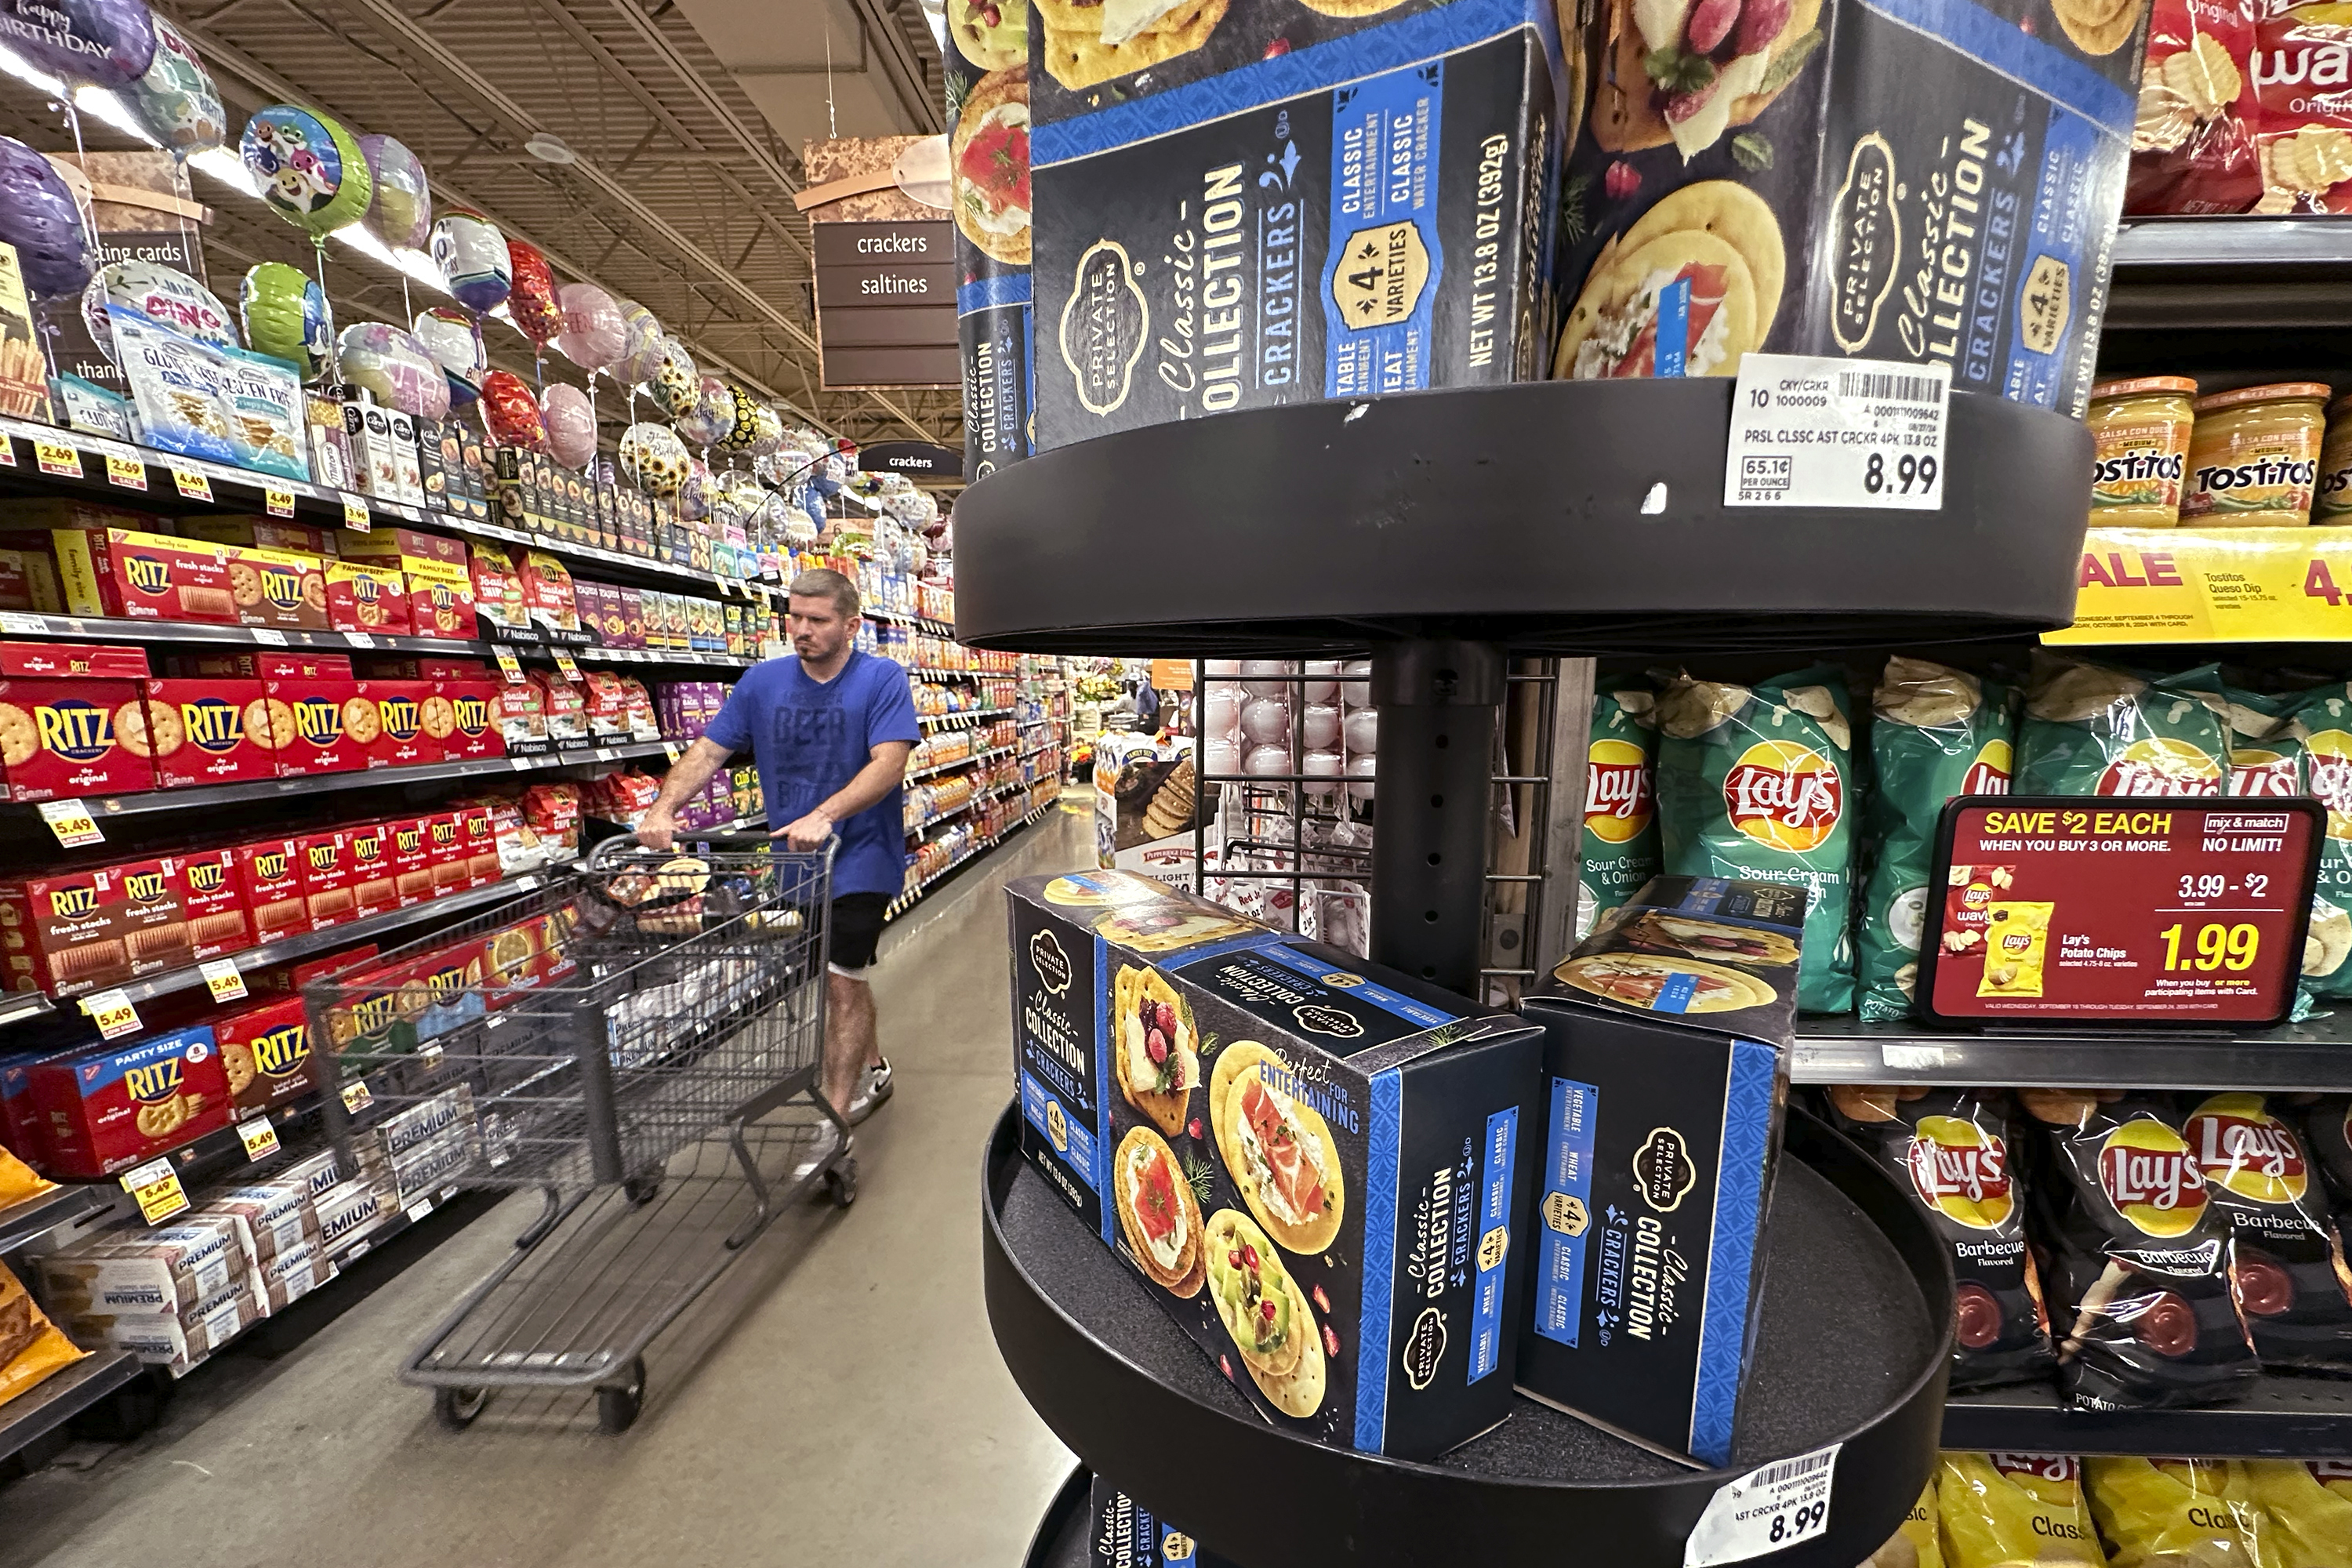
point(840, 1183)
point(642, 1190)
point(457, 1407)
point(616, 1408)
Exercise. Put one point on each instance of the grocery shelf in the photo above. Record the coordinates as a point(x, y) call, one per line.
point(2313, 1055)
point(352, 1251)
point(1393, 512)
point(956, 762)
point(967, 716)
point(31, 1416)
point(36, 1217)
point(2203, 291)
point(104, 628)
point(2284, 1417)
point(906, 900)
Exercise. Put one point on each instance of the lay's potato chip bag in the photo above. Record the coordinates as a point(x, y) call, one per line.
point(2178, 1513)
point(1917, 1541)
point(2093, 729)
point(1621, 802)
point(2002, 1509)
point(2325, 720)
point(2306, 1510)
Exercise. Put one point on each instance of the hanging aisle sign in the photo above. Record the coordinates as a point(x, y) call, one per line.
point(885, 271)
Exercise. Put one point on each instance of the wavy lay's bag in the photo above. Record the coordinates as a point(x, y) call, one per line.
point(1620, 803)
point(1937, 732)
point(1755, 782)
point(2193, 143)
point(2325, 720)
point(2093, 729)
point(1917, 1542)
point(2306, 1510)
point(2140, 1256)
point(2178, 1513)
point(2294, 1291)
point(2002, 1509)
point(1951, 1148)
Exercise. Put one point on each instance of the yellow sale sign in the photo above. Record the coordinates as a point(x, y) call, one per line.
point(2247, 585)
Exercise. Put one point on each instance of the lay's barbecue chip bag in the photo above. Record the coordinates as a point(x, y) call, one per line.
point(1938, 733)
point(2093, 729)
point(1754, 782)
point(1999, 1509)
point(2294, 1291)
point(1621, 801)
point(2325, 720)
point(2178, 1513)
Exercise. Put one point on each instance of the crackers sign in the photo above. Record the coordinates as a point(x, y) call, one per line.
point(885, 273)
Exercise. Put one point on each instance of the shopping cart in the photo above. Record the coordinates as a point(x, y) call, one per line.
point(626, 1040)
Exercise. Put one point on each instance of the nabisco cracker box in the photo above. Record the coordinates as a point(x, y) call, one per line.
point(334, 726)
point(324, 861)
point(412, 723)
point(209, 731)
point(266, 1054)
point(212, 903)
point(268, 875)
point(67, 738)
point(111, 1107)
point(374, 890)
point(62, 932)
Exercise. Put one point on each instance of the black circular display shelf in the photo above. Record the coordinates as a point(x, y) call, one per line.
point(1855, 1316)
point(1060, 1538)
point(1509, 514)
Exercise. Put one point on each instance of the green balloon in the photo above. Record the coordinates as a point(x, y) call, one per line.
point(312, 171)
point(286, 317)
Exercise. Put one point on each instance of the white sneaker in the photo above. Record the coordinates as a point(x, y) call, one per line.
point(874, 1087)
point(820, 1153)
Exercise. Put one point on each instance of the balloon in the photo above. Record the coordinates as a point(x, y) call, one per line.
point(313, 173)
point(594, 334)
point(742, 422)
point(109, 42)
point(164, 295)
point(767, 430)
point(694, 494)
point(393, 365)
point(531, 301)
point(472, 255)
point(286, 317)
point(38, 217)
point(176, 100)
point(642, 358)
point(402, 213)
point(570, 425)
point(656, 458)
point(455, 342)
point(675, 385)
point(511, 412)
point(711, 415)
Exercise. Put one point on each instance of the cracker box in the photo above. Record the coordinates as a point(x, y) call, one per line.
point(374, 890)
point(547, 590)
point(269, 664)
point(212, 903)
point(479, 830)
point(110, 1108)
point(1123, 1534)
point(1664, 1075)
point(209, 731)
point(324, 861)
point(444, 852)
point(367, 598)
point(161, 1272)
point(272, 1217)
point(376, 469)
point(62, 932)
point(372, 1013)
point(1308, 1161)
point(412, 859)
point(143, 576)
point(66, 660)
point(176, 1342)
point(413, 722)
point(498, 588)
point(63, 739)
point(408, 472)
point(276, 587)
point(588, 603)
point(351, 1210)
point(290, 1275)
point(434, 569)
point(331, 450)
point(28, 581)
point(151, 921)
point(334, 726)
point(430, 467)
point(268, 875)
point(1933, 184)
point(266, 1054)
point(522, 718)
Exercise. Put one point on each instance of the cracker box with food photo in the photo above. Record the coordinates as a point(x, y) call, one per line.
point(110, 1108)
point(149, 921)
point(1664, 1076)
point(268, 875)
point(62, 739)
point(368, 597)
point(206, 732)
point(212, 903)
point(474, 730)
point(324, 862)
point(333, 727)
point(1930, 183)
point(266, 1054)
point(413, 722)
point(373, 889)
point(62, 934)
point(1309, 1163)
point(1245, 205)
point(276, 587)
point(1143, 805)
point(412, 858)
point(127, 575)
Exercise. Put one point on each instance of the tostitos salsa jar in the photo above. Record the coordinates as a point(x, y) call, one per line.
point(2253, 460)
point(2140, 430)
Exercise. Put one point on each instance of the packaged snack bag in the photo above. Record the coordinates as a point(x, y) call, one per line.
point(1621, 799)
point(1938, 732)
point(2307, 1510)
point(1917, 1542)
point(1753, 782)
point(2300, 132)
point(31, 1347)
point(2294, 1291)
point(2323, 718)
point(2193, 144)
point(2006, 1509)
point(1951, 1148)
point(2169, 1513)
point(2092, 729)
point(2140, 1256)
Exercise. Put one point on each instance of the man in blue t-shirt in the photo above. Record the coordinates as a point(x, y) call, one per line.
point(831, 731)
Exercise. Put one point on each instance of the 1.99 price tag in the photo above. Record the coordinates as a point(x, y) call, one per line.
point(1823, 431)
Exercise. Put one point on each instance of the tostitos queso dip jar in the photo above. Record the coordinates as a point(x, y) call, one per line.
point(2254, 459)
point(2140, 430)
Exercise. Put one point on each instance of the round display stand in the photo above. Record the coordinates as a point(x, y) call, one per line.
point(1060, 1538)
point(1853, 1322)
point(1572, 517)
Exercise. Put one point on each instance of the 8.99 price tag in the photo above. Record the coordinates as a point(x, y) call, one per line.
point(1810, 431)
point(1766, 1509)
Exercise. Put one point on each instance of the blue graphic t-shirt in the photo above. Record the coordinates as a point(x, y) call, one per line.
point(811, 737)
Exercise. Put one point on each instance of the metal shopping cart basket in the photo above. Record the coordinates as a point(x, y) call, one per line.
point(626, 1040)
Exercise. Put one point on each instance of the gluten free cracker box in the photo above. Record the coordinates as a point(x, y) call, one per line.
point(1311, 1164)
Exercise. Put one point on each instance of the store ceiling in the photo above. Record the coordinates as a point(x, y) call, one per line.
point(686, 142)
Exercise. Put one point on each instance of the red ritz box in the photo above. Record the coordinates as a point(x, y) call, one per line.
point(412, 858)
point(373, 889)
point(268, 877)
point(479, 830)
point(363, 598)
point(143, 577)
point(445, 851)
point(334, 726)
point(474, 715)
point(152, 922)
point(63, 932)
point(325, 861)
point(212, 903)
point(61, 740)
point(413, 722)
point(209, 732)
point(265, 1053)
point(112, 1107)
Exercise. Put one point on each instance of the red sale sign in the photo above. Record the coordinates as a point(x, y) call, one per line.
point(2172, 911)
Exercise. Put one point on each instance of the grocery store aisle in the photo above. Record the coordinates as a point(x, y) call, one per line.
point(834, 1398)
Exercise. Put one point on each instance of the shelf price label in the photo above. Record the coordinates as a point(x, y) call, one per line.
point(222, 979)
point(360, 639)
point(669, 750)
point(355, 514)
point(192, 485)
point(563, 663)
point(155, 1188)
point(1765, 1510)
point(60, 459)
point(269, 635)
point(111, 1011)
point(127, 473)
point(70, 821)
point(508, 665)
point(280, 502)
point(356, 1097)
point(1816, 431)
point(260, 1138)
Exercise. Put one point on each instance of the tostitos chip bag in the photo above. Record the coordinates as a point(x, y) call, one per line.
point(2324, 719)
point(1755, 783)
point(2093, 729)
point(2176, 1513)
point(1620, 800)
point(1938, 733)
point(2139, 1267)
point(2307, 1510)
point(1999, 1509)
point(1916, 1541)
point(1951, 1148)
point(2193, 144)
point(2294, 1291)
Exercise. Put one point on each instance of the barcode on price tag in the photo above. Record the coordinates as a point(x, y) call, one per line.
point(1764, 1511)
point(1816, 431)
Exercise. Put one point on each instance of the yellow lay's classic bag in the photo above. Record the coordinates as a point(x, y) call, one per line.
point(2306, 1510)
point(1999, 1509)
point(1917, 1541)
point(2178, 1513)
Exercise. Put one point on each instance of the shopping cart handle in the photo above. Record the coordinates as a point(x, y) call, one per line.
point(623, 849)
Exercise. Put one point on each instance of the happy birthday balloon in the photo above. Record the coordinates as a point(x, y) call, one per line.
point(473, 257)
point(694, 493)
point(511, 412)
point(393, 365)
point(675, 385)
point(531, 301)
point(594, 334)
point(710, 417)
point(109, 42)
point(286, 317)
point(571, 421)
point(655, 459)
point(310, 169)
point(642, 356)
point(176, 100)
point(402, 212)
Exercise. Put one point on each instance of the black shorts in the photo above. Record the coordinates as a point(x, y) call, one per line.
point(856, 922)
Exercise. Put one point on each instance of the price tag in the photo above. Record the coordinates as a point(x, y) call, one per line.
point(669, 749)
point(192, 485)
point(563, 662)
point(356, 1097)
point(280, 502)
point(111, 1011)
point(1764, 1511)
point(1816, 431)
point(419, 1209)
point(222, 979)
point(70, 821)
point(359, 639)
point(355, 514)
point(57, 457)
point(269, 635)
point(261, 1138)
point(508, 665)
point(519, 764)
point(13, 621)
point(129, 473)
point(155, 1188)
point(606, 754)
point(7, 452)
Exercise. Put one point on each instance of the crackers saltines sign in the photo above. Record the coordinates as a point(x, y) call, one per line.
point(886, 278)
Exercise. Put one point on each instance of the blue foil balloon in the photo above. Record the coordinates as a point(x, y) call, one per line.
point(109, 42)
point(37, 216)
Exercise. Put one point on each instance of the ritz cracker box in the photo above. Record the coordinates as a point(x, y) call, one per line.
point(1664, 1080)
point(1310, 1162)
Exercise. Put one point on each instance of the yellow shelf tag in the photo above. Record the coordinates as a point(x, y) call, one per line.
point(508, 665)
point(129, 473)
point(57, 457)
point(563, 662)
point(355, 514)
point(280, 502)
point(222, 979)
point(111, 1011)
point(70, 821)
point(155, 1188)
point(192, 485)
point(261, 1138)
point(356, 1097)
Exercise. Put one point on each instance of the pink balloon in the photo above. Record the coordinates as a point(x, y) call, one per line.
point(571, 421)
point(595, 333)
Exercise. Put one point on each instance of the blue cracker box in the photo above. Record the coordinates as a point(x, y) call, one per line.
point(1123, 1534)
point(1246, 204)
point(1662, 1125)
point(1312, 1164)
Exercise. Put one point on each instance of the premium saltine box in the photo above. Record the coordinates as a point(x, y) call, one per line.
point(1310, 1162)
point(1664, 1077)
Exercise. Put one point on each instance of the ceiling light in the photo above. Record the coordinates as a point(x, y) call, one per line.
point(548, 148)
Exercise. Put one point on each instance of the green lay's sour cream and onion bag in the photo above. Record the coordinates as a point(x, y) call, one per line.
point(1620, 795)
point(1755, 783)
point(2093, 729)
point(2322, 720)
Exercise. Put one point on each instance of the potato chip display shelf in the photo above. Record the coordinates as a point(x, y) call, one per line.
point(1855, 1313)
point(2284, 1417)
point(2193, 295)
point(2314, 1056)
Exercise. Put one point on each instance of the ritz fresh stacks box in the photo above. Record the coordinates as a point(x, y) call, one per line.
point(1311, 1162)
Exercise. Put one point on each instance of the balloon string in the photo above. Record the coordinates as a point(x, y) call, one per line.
point(407, 305)
point(318, 264)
